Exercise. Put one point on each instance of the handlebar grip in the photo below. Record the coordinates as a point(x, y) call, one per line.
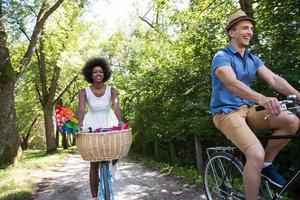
point(259, 108)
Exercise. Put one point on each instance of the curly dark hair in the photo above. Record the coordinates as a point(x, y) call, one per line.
point(87, 70)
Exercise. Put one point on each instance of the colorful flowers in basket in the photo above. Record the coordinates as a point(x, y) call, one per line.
point(66, 122)
point(120, 126)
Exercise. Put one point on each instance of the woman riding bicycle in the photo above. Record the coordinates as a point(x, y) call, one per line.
point(233, 70)
point(99, 99)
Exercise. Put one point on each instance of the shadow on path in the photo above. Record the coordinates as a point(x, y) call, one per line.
point(137, 182)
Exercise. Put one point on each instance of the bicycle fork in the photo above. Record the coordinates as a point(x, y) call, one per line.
point(105, 183)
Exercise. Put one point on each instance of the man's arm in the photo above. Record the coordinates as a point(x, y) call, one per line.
point(277, 82)
point(228, 77)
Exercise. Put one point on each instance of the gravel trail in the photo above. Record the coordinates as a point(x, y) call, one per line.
point(69, 181)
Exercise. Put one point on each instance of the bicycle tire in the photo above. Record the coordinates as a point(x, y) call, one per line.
point(223, 177)
point(105, 176)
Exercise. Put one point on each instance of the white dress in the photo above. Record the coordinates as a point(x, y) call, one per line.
point(100, 113)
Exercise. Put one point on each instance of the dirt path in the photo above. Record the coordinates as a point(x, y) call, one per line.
point(70, 182)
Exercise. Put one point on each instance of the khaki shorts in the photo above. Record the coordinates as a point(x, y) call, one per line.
point(237, 125)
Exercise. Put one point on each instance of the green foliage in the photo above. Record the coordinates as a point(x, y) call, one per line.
point(61, 40)
point(162, 71)
point(278, 27)
point(166, 84)
point(164, 76)
point(17, 15)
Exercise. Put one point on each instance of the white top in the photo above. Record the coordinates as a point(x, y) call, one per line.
point(100, 113)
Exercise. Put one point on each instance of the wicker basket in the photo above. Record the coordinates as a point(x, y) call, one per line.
point(103, 146)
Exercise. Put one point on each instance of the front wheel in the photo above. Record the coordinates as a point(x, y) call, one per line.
point(223, 177)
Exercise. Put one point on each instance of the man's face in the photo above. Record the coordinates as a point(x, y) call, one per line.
point(241, 33)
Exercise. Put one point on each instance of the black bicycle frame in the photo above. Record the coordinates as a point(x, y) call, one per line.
point(295, 175)
point(287, 185)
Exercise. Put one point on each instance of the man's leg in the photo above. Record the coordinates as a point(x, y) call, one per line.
point(251, 175)
point(285, 124)
point(234, 126)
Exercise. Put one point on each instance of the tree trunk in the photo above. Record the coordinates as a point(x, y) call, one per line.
point(49, 129)
point(24, 144)
point(64, 140)
point(144, 147)
point(172, 152)
point(156, 149)
point(73, 140)
point(10, 139)
point(26, 138)
point(199, 157)
point(57, 132)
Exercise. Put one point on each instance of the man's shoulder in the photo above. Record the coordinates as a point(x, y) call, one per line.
point(222, 58)
point(223, 53)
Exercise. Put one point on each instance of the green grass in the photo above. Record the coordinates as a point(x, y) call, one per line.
point(189, 174)
point(17, 182)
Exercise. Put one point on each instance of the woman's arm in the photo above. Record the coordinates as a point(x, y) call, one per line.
point(116, 104)
point(81, 107)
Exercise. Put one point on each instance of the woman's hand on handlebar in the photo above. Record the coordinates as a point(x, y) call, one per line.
point(271, 104)
point(121, 124)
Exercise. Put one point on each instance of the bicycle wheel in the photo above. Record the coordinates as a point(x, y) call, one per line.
point(223, 178)
point(104, 179)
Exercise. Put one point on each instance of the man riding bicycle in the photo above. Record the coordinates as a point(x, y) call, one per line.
point(233, 70)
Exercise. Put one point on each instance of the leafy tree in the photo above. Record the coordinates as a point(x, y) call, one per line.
point(53, 43)
point(8, 129)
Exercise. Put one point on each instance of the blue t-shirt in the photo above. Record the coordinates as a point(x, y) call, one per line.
point(223, 100)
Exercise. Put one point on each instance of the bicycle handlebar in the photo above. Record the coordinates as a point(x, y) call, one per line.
point(259, 108)
point(290, 104)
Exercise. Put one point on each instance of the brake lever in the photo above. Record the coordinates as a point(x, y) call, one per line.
point(283, 106)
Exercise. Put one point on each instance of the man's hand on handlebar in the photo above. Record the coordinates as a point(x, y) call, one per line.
point(290, 104)
point(271, 104)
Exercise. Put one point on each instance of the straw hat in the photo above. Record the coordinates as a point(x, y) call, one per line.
point(236, 17)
